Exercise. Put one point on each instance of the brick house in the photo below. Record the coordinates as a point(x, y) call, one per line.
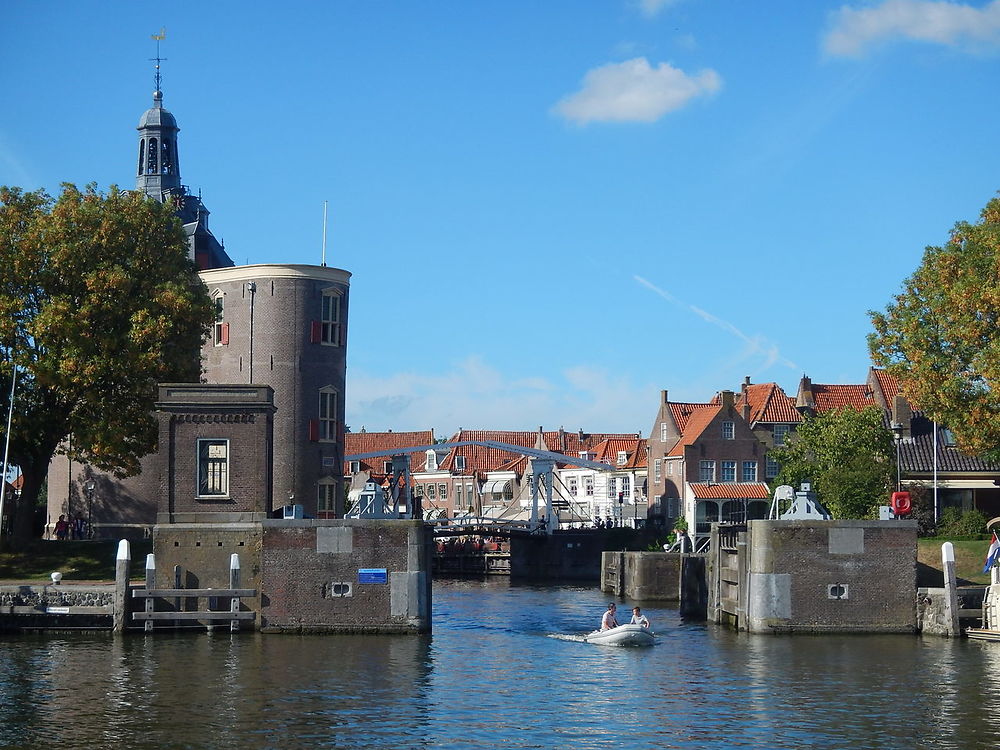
point(618, 495)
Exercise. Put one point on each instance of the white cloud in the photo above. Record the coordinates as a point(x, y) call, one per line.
point(477, 395)
point(757, 346)
point(651, 8)
point(856, 30)
point(634, 91)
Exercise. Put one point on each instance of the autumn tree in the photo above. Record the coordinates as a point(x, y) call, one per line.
point(940, 337)
point(98, 303)
point(847, 455)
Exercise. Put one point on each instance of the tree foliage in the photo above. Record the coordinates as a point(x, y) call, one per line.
point(941, 336)
point(847, 455)
point(98, 303)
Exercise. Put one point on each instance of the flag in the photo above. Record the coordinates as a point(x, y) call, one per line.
point(993, 554)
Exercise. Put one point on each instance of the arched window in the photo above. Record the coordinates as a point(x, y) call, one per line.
point(142, 153)
point(152, 160)
point(166, 158)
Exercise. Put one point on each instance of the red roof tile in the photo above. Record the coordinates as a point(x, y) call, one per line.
point(391, 442)
point(683, 412)
point(829, 397)
point(768, 403)
point(731, 491)
point(696, 424)
point(888, 384)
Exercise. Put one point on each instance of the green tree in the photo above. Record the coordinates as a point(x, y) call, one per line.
point(940, 337)
point(98, 303)
point(847, 455)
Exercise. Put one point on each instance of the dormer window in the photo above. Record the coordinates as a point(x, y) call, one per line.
point(432, 460)
point(387, 467)
point(948, 437)
point(622, 458)
point(459, 463)
point(355, 467)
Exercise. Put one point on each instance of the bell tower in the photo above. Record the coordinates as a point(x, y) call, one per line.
point(158, 171)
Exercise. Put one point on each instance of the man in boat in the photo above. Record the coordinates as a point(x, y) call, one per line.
point(609, 621)
point(638, 618)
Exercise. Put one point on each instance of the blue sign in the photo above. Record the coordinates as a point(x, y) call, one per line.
point(372, 575)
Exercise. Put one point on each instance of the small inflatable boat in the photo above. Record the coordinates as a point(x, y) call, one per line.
point(623, 635)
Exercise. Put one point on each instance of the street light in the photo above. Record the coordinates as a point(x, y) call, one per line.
point(88, 490)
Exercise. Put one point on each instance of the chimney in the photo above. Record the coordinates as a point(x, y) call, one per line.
point(902, 415)
point(804, 401)
point(746, 411)
point(746, 383)
point(580, 435)
point(727, 399)
point(663, 397)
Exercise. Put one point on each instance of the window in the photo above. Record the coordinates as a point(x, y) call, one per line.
point(326, 496)
point(458, 495)
point(327, 413)
point(728, 471)
point(418, 490)
point(771, 468)
point(706, 471)
point(625, 487)
point(780, 433)
point(213, 468)
point(330, 319)
point(221, 329)
point(431, 494)
point(663, 432)
point(572, 485)
point(443, 491)
point(151, 159)
point(657, 463)
point(612, 488)
point(622, 458)
point(459, 463)
point(387, 467)
point(749, 471)
point(670, 468)
point(588, 486)
point(142, 152)
point(355, 467)
point(948, 438)
point(432, 460)
point(728, 430)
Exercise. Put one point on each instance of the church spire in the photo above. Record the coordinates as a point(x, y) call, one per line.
point(159, 168)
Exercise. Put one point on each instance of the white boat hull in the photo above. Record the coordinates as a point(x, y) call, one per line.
point(623, 635)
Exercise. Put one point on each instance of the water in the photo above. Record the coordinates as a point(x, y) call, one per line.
point(499, 672)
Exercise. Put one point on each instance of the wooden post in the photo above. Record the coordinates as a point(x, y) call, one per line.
point(150, 584)
point(120, 603)
point(234, 583)
point(178, 602)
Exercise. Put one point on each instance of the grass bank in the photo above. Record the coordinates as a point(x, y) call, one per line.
point(77, 561)
point(969, 559)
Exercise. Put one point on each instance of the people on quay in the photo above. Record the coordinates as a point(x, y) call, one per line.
point(609, 620)
point(638, 618)
point(62, 528)
point(79, 528)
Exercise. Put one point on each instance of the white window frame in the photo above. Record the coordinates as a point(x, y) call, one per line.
point(572, 486)
point(727, 472)
point(728, 430)
point(657, 469)
point(768, 464)
point(781, 433)
point(706, 471)
point(663, 432)
point(330, 317)
point(459, 463)
point(749, 471)
point(588, 485)
point(329, 404)
point(355, 467)
point(219, 301)
point(622, 458)
point(431, 463)
point(442, 491)
point(204, 466)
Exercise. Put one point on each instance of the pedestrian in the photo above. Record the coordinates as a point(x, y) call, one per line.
point(62, 528)
point(79, 528)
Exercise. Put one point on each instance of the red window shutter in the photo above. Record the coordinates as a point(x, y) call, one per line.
point(314, 429)
point(315, 332)
point(225, 334)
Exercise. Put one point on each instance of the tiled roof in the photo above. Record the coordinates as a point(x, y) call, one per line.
point(731, 491)
point(391, 442)
point(916, 454)
point(635, 448)
point(695, 425)
point(768, 403)
point(829, 397)
point(888, 384)
point(683, 412)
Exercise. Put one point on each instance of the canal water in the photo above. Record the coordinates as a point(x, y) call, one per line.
point(503, 669)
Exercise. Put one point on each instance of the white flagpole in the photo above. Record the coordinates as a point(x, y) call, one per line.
point(6, 450)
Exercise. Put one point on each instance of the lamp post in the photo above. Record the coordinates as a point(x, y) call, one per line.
point(897, 434)
point(88, 490)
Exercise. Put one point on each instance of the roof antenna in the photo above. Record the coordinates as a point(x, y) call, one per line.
point(159, 38)
point(324, 234)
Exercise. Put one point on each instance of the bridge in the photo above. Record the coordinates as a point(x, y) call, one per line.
point(374, 504)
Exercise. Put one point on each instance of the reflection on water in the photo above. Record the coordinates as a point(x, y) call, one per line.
point(504, 668)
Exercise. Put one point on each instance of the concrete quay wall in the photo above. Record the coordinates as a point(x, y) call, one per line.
point(44, 606)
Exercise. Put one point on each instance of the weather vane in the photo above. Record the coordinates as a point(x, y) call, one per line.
point(158, 37)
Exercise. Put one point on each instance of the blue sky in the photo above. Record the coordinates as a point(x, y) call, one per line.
point(551, 210)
